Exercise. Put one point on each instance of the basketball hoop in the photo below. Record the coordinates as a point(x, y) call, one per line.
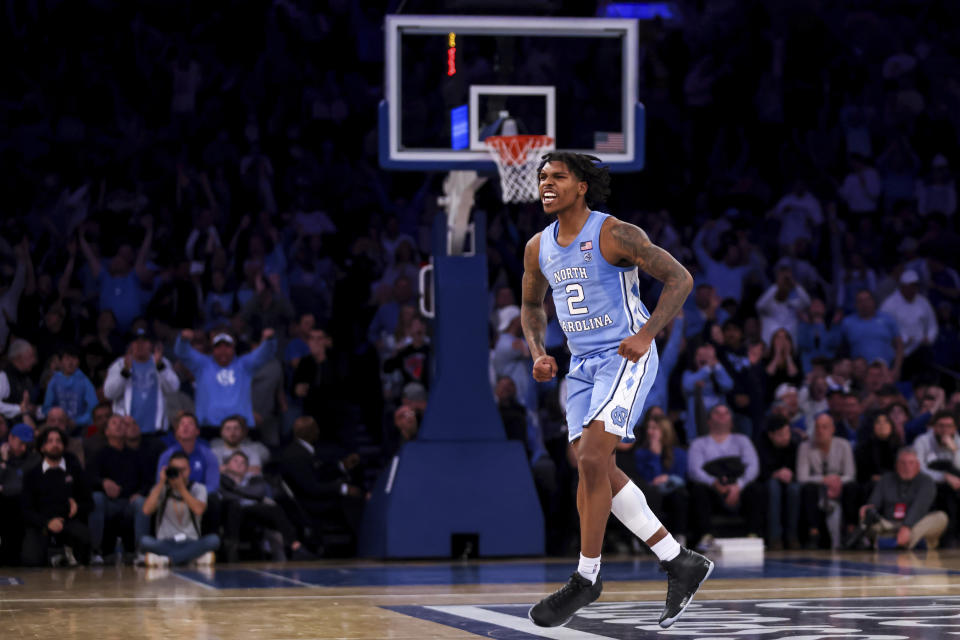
point(516, 158)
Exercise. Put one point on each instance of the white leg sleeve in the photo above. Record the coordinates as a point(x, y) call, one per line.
point(631, 508)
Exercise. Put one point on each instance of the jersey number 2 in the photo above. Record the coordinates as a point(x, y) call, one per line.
point(577, 291)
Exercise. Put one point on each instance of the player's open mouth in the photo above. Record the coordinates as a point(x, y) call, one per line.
point(548, 197)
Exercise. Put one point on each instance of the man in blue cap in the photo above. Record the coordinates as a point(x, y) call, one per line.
point(17, 457)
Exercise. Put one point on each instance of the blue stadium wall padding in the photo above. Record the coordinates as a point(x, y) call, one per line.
point(461, 475)
point(461, 405)
point(439, 489)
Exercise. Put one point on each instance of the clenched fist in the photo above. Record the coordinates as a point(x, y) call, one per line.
point(634, 347)
point(544, 368)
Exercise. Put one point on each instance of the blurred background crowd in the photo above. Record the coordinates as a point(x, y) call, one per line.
point(203, 268)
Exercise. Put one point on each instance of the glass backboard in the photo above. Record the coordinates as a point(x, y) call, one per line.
point(452, 80)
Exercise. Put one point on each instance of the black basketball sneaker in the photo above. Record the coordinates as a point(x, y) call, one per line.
point(557, 608)
point(685, 574)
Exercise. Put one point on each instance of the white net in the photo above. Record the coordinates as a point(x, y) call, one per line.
point(517, 158)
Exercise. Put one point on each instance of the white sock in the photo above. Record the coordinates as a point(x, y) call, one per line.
point(589, 568)
point(667, 549)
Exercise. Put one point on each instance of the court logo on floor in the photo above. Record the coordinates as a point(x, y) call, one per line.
point(807, 619)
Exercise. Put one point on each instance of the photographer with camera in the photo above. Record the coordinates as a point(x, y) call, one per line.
point(900, 504)
point(178, 504)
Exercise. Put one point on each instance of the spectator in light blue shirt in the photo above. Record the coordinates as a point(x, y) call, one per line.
point(872, 334)
point(274, 263)
point(707, 382)
point(669, 354)
point(511, 356)
point(726, 275)
point(71, 390)
point(223, 380)
point(204, 465)
point(120, 279)
point(814, 339)
point(297, 347)
point(388, 314)
point(219, 304)
point(702, 308)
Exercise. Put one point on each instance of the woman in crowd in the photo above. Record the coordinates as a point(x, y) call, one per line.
point(663, 464)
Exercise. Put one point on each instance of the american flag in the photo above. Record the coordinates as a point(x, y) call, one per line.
point(606, 141)
point(586, 245)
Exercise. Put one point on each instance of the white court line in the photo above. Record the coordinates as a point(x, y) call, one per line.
point(515, 623)
point(196, 582)
point(515, 594)
point(276, 576)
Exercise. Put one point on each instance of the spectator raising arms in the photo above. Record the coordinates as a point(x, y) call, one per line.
point(781, 305)
point(138, 382)
point(223, 380)
point(725, 275)
point(121, 278)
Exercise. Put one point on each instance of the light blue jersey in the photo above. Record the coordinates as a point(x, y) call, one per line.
point(598, 305)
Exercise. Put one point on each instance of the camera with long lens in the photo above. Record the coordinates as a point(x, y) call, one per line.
point(870, 518)
point(172, 472)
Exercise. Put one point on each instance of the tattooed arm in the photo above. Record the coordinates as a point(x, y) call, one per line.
point(533, 317)
point(624, 244)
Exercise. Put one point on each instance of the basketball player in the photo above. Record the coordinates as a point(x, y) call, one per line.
point(590, 260)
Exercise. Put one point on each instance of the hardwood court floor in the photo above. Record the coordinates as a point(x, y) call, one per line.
point(788, 595)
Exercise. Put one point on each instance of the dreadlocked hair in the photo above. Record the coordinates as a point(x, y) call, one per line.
point(587, 169)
